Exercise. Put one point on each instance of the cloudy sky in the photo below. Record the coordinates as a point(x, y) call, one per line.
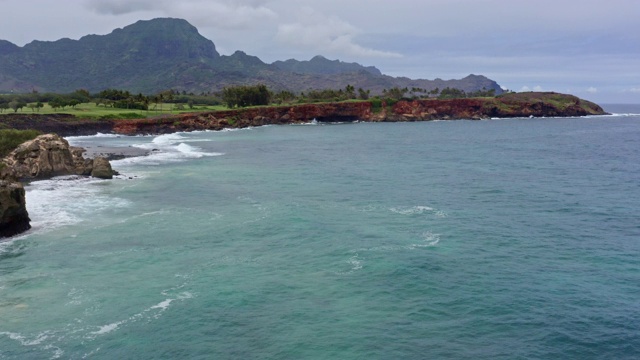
point(590, 48)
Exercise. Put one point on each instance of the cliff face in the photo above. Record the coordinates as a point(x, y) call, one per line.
point(241, 118)
point(505, 106)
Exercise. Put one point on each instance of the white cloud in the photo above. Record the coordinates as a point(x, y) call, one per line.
point(635, 90)
point(224, 14)
point(592, 90)
point(536, 88)
point(326, 34)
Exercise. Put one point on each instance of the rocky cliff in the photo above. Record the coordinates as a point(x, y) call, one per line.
point(43, 157)
point(507, 106)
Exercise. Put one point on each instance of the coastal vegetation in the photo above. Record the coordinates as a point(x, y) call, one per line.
point(10, 139)
point(117, 103)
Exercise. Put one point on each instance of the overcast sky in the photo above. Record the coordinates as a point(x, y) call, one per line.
point(590, 48)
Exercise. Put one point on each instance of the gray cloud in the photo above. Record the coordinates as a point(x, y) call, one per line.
point(217, 14)
point(328, 35)
point(119, 7)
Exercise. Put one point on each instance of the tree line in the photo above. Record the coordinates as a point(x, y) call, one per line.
point(232, 97)
point(113, 98)
point(241, 96)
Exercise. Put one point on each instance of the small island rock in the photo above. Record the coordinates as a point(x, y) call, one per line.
point(102, 168)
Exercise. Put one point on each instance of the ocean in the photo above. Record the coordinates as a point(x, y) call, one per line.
point(496, 239)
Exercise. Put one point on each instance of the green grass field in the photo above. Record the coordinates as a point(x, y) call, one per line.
point(90, 110)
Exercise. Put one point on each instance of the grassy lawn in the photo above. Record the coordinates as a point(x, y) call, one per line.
point(90, 110)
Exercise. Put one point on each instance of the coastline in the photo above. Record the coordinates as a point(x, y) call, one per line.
point(515, 105)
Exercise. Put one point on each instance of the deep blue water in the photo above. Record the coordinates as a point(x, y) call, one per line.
point(499, 239)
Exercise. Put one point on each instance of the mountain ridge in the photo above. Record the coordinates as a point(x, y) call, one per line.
point(168, 53)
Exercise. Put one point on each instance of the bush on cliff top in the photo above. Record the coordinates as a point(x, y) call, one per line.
point(10, 139)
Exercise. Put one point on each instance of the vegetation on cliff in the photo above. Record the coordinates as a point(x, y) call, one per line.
point(11, 138)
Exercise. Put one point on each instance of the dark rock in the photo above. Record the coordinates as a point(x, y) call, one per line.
point(14, 218)
point(102, 168)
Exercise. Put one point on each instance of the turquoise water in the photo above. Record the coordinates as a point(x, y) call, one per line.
point(500, 239)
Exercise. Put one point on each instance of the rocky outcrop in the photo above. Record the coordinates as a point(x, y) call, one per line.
point(14, 218)
point(43, 157)
point(50, 155)
point(102, 168)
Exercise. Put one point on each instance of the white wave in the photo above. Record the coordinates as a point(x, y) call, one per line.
point(5, 247)
point(355, 264)
point(166, 149)
point(239, 129)
point(24, 340)
point(64, 201)
point(441, 214)
point(161, 307)
point(429, 239)
point(36, 341)
point(312, 122)
point(72, 139)
point(167, 139)
point(412, 210)
point(108, 328)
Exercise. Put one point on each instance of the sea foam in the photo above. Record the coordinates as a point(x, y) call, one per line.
point(68, 200)
point(166, 149)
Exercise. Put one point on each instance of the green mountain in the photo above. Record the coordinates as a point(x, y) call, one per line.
point(322, 66)
point(159, 54)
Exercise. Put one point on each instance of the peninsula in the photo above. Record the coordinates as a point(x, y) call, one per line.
point(511, 105)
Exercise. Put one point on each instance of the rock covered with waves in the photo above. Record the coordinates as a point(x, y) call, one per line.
point(14, 218)
point(50, 155)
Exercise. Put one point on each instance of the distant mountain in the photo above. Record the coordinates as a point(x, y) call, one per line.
point(320, 65)
point(159, 54)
